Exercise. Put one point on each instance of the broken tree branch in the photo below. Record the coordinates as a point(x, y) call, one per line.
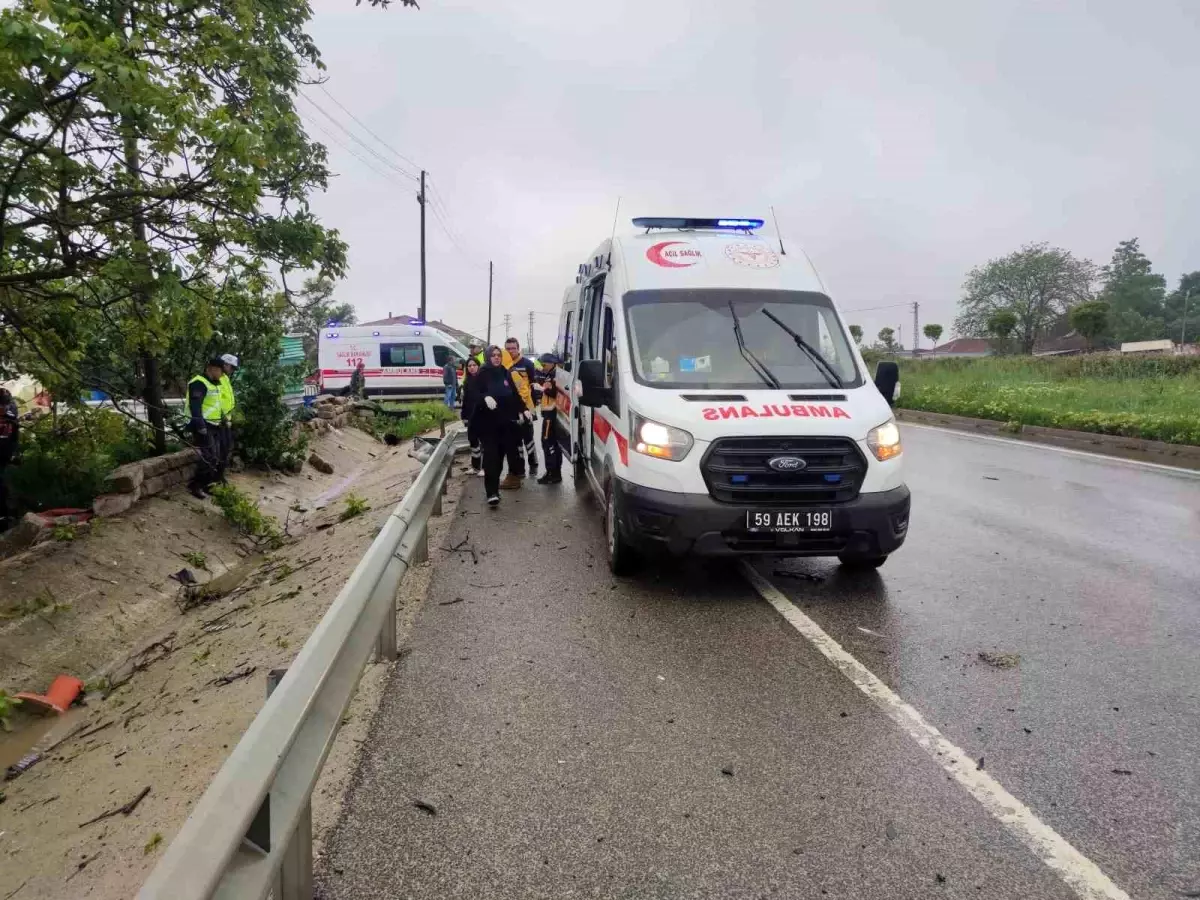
point(123, 810)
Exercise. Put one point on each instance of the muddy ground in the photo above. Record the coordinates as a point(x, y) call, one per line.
point(173, 691)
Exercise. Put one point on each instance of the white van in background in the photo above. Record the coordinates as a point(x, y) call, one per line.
point(712, 399)
point(403, 362)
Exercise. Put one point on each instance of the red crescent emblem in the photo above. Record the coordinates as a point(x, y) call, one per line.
point(655, 254)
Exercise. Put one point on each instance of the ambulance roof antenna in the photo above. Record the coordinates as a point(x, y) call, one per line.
point(612, 237)
point(778, 236)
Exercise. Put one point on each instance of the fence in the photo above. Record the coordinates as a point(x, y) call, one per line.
point(251, 831)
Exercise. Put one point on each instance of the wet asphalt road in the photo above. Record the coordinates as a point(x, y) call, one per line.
point(671, 736)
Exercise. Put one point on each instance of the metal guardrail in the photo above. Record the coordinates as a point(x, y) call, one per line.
point(251, 831)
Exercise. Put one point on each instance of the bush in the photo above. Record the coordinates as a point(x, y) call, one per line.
point(7, 705)
point(65, 458)
point(355, 507)
point(422, 417)
point(246, 517)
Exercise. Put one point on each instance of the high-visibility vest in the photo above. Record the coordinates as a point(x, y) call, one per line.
point(210, 410)
point(227, 399)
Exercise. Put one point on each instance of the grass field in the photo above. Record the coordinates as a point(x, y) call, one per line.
point(422, 417)
point(1153, 398)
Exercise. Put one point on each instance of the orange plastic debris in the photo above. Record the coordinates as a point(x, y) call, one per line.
point(58, 699)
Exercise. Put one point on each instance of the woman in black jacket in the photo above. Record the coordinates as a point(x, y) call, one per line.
point(495, 416)
point(471, 398)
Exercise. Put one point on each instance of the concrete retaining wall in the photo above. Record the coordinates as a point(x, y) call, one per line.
point(1182, 455)
point(135, 481)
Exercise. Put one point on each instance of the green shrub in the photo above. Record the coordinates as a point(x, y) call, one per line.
point(246, 517)
point(355, 507)
point(422, 417)
point(65, 458)
point(7, 705)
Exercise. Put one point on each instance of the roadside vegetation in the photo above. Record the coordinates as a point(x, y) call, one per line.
point(1157, 398)
point(422, 417)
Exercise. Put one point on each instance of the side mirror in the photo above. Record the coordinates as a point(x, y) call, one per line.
point(887, 379)
point(591, 379)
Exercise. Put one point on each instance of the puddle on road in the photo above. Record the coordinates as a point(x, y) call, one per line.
point(31, 731)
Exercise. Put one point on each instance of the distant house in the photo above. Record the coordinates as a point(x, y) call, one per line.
point(1070, 344)
point(459, 335)
point(963, 347)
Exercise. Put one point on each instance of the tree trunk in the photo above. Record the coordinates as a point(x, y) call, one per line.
point(152, 388)
point(153, 398)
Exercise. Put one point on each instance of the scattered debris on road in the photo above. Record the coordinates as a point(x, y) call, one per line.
point(452, 602)
point(428, 808)
point(998, 660)
point(124, 809)
point(727, 771)
point(235, 675)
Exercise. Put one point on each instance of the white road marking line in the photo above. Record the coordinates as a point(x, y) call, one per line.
point(1036, 445)
point(1082, 875)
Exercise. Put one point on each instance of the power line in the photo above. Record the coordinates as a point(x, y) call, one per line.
point(874, 308)
point(333, 137)
point(364, 127)
point(354, 137)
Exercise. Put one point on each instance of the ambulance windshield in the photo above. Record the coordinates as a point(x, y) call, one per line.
point(687, 339)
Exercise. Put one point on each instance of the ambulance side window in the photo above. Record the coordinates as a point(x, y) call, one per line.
point(611, 381)
point(568, 344)
point(591, 326)
point(440, 355)
point(402, 354)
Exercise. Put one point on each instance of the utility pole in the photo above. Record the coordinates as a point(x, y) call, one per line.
point(489, 331)
point(507, 328)
point(529, 340)
point(916, 330)
point(421, 314)
point(1183, 326)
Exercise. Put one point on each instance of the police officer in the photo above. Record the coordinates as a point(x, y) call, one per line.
point(204, 407)
point(524, 373)
point(229, 364)
point(546, 388)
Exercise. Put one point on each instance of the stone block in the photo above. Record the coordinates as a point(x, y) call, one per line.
point(126, 479)
point(107, 505)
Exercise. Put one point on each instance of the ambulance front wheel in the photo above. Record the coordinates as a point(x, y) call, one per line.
point(622, 558)
point(857, 563)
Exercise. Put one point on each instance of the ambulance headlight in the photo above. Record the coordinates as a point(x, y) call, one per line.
point(884, 440)
point(652, 438)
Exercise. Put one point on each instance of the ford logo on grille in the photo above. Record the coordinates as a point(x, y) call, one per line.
point(787, 463)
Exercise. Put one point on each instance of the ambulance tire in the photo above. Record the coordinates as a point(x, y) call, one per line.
point(622, 558)
point(854, 563)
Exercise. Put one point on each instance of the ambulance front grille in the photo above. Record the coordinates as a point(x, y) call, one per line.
point(735, 470)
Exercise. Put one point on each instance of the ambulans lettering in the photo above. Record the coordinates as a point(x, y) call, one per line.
point(773, 411)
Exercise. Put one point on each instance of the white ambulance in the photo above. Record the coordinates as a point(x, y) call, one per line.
point(712, 399)
point(402, 362)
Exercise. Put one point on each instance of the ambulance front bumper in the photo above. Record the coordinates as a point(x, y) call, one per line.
point(681, 524)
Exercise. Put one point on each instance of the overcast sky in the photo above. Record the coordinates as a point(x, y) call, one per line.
point(900, 142)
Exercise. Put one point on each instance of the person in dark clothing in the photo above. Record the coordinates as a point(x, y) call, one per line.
point(358, 382)
point(10, 435)
point(546, 389)
point(204, 407)
point(471, 398)
point(450, 382)
point(496, 415)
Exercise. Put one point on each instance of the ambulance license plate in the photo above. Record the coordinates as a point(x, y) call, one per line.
point(793, 521)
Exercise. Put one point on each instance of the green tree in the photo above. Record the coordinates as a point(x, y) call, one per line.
point(1037, 284)
point(312, 309)
point(933, 332)
point(1135, 294)
point(1183, 309)
point(1000, 327)
point(149, 149)
point(887, 339)
point(856, 332)
point(1091, 320)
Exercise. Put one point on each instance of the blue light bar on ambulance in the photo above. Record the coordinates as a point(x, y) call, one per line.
point(735, 224)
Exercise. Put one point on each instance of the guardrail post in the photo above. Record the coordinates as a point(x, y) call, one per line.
point(420, 552)
point(437, 504)
point(295, 879)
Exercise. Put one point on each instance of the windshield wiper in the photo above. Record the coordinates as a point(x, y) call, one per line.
point(825, 366)
point(751, 360)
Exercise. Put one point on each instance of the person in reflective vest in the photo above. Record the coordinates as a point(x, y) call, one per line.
point(228, 404)
point(546, 388)
point(523, 375)
point(205, 411)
